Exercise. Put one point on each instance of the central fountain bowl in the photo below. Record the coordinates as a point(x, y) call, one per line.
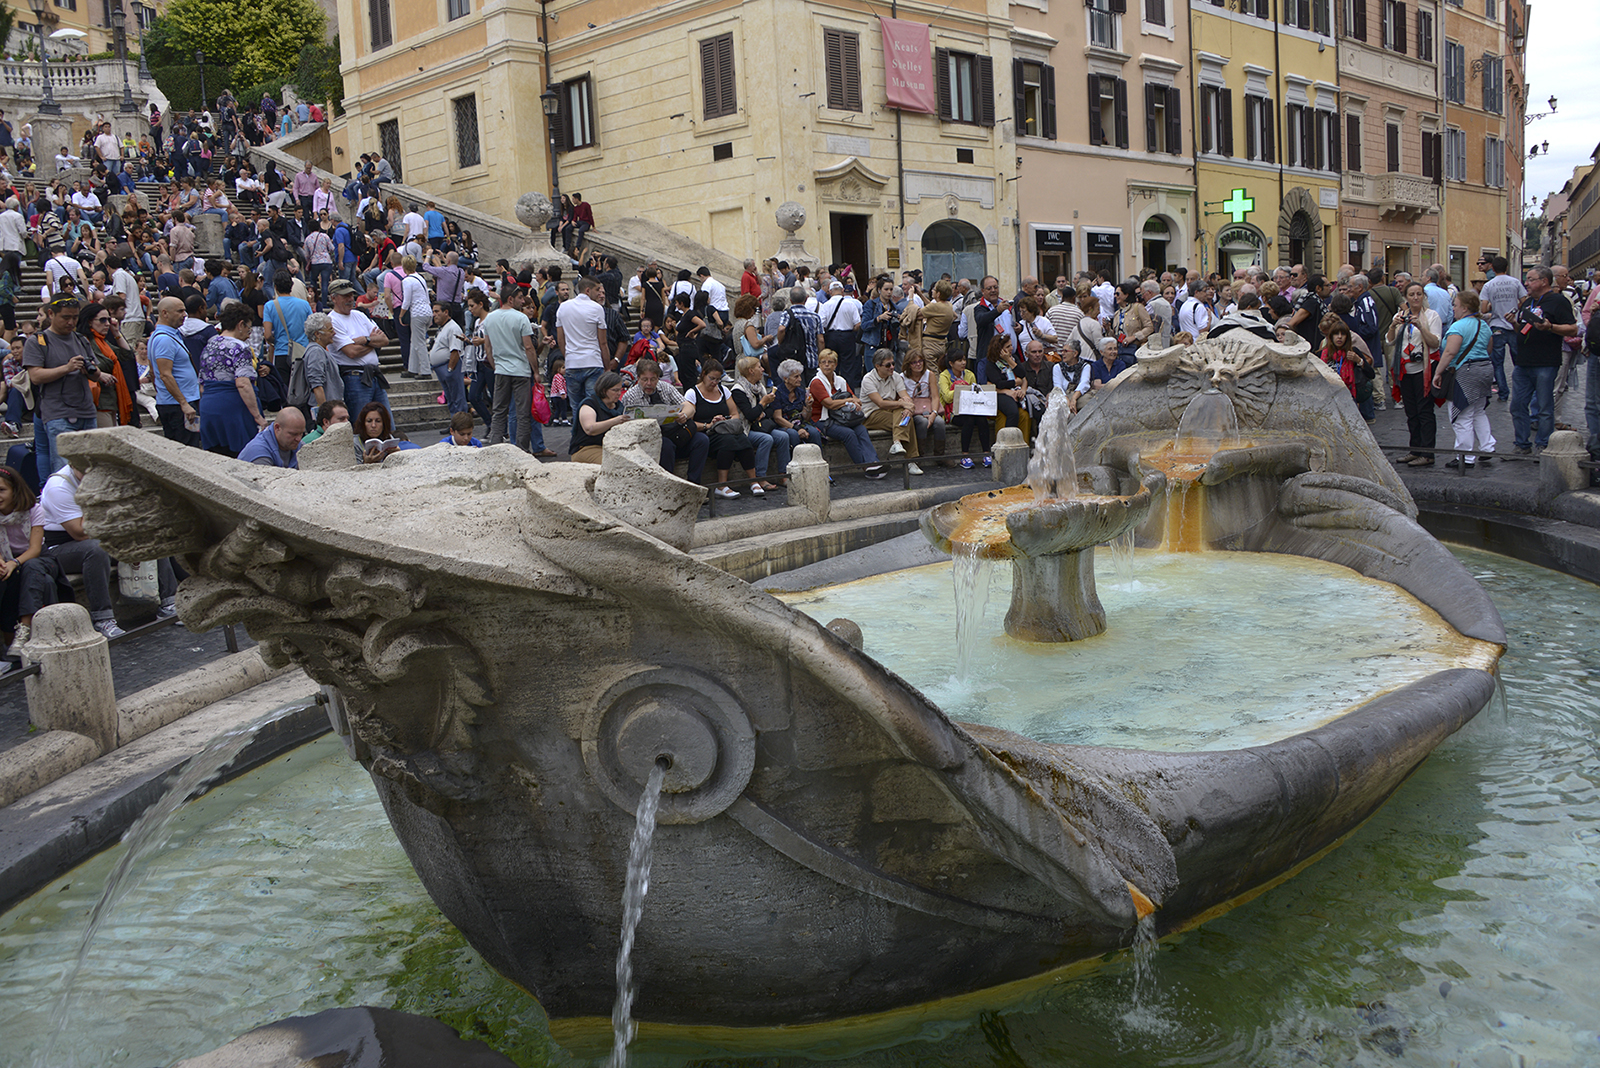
point(1050, 544)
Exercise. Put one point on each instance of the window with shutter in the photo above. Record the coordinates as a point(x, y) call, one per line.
point(1321, 18)
point(941, 70)
point(1155, 126)
point(1269, 133)
point(1097, 126)
point(717, 76)
point(1208, 110)
point(1155, 12)
point(1047, 94)
point(574, 119)
point(1352, 140)
point(1425, 35)
point(1427, 154)
point(1400, 28)
point(983, 75)
point(1104, 21)
point(1335, 164)
point(1252, 127)
point(1120, 102)
point(382, 24)
point(1455, 72)
point(1392, 135)
point(841, 51)
point(1225, 122)
point(965, 85)
point(1356, 20)
point(1174, 117)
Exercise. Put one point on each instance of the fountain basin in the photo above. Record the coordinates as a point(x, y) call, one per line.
point(851, 849)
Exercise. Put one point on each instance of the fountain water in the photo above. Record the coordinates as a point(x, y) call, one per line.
point(1053, 470)
point(1048, 530)
point(622, 1025)
point(970, 573)
point(144, 838)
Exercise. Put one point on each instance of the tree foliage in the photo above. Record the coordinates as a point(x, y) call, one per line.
point(8, 22)
point(257, 40)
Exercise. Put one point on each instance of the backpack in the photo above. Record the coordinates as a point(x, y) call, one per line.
point(299, 393)
point(793, 345)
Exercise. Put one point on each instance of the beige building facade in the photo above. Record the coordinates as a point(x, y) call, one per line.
point(1485, 97)
point(704, 116)
point(1104, 146)
point(1392, 121)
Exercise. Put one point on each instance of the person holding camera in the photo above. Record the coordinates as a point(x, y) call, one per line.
point(1414, 333)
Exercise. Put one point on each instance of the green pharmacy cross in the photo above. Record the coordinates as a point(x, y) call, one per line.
point(1239, 206)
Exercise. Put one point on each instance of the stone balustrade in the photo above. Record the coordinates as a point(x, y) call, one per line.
point(1405, 195)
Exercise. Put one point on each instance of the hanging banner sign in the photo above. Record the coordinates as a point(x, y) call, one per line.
point(909, 77)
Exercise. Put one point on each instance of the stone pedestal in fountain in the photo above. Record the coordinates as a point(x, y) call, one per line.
point(1050, 544)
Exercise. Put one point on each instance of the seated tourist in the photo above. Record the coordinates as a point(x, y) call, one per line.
point(886, 399)
point(329, 415)
point(75, 553)
point(278, 443)
point(956, 376)
point(374, 424)
point(679, 439)
point(838, 413)
point(710, 405)
point(598, 413)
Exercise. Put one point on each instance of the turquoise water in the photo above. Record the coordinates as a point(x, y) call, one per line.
point(1460, 926)
point(1163, 676)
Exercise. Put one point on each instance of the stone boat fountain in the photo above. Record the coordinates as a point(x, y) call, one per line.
point(830, 843)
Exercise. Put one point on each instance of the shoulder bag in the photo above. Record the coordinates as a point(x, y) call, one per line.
point(1447, 378)
point(297, 351)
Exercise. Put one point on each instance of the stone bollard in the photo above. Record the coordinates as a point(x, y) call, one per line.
point(1558, 465)
point(1010, 457)
point(808, 481)
point(73, 689)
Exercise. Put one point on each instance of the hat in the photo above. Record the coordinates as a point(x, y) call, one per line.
point(341, 286)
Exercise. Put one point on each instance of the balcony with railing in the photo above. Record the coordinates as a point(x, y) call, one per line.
point(1405, 196)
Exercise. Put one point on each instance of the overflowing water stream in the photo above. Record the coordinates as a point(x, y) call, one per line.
point(1459, 926)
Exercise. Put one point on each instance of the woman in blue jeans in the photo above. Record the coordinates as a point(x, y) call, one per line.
point(830, 394)
point(756, 403)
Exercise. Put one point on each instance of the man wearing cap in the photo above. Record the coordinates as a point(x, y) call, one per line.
point(356, 341)
point(61, 366)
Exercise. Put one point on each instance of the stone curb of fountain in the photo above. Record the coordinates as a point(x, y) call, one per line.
point(58, 826)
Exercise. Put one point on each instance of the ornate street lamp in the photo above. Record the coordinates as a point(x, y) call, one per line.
point(1527, 120)
point(144, 68)
point(200, 61)
point(119, 22)
point(47, 105)
point(550, 101)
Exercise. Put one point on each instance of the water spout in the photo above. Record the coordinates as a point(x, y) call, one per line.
point(644, 829)
point(1053, 470)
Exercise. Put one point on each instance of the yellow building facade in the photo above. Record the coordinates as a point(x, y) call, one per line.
point(1104, 137)
point(705, 116)
point(1267, 126)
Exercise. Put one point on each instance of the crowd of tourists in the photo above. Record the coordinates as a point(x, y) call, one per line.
point(253, 352)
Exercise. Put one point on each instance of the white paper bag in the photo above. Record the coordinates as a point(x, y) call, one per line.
point(980, 401)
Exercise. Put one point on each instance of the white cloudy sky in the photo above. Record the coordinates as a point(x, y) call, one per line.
point(1562, 60)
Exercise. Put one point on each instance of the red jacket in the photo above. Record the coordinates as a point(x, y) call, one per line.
point(749, 285)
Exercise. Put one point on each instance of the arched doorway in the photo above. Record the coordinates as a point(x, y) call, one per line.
point(1301, 235)
point(1240, 245)
point(1154, 239)
point(953, 247)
